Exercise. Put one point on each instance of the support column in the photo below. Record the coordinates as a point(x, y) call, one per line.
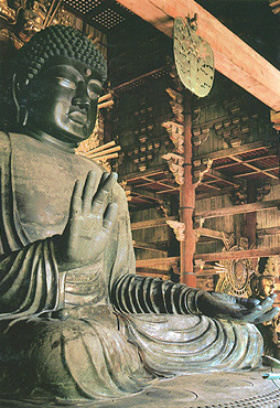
point(251, 219)
point(187, 200)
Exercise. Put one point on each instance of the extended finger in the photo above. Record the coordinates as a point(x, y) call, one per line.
point(249, 303)
point(110, 217)
point(100, 200)
point(267, 316)
point(76, 202)
point(267, 303)
point(89, 191)
point(260, 313)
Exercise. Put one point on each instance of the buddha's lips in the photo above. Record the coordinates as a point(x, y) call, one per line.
point(78, 116)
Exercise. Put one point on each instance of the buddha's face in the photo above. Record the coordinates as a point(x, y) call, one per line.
point(62, 100)
point(266, 287)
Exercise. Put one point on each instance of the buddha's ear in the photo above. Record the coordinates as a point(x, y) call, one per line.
point(16, 95)
point(21, 111)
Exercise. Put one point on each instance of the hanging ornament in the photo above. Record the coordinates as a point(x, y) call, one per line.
point(194, 58)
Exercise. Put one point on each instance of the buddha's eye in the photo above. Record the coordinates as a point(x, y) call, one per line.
point(65, 82)
point(94, 89)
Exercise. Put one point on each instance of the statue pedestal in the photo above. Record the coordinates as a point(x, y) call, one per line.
point(212, 390)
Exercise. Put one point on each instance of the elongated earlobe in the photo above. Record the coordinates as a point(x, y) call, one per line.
point(15, 89)
point(21, 110)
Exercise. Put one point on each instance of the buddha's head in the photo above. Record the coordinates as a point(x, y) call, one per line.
point(58, 80)
point(266, 286)
point(263, 282)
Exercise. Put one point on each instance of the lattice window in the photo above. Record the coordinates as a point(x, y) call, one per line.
point(83, 6)
point(109, 18)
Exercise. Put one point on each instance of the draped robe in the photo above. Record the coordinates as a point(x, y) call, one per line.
point(96, 352)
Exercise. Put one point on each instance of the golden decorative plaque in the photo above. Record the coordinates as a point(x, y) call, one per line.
point(194, 58)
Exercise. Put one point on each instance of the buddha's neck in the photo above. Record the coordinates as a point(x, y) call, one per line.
point(50, 140)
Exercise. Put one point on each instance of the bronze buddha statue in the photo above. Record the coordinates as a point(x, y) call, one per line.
point(262, 286)
point(76, 322)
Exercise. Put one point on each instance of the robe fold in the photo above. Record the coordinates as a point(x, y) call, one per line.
point(96, 352)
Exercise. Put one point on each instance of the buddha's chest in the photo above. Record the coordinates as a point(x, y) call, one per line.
point(43, 181)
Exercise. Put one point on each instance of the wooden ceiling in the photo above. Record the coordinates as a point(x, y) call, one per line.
point(234, 58)
point(257, 161)
point(104, 15)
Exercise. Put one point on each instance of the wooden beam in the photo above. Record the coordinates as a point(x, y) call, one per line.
point(268, 231)
point(153, 271)
point(275, 118)
point(146, 194)
point(210, 186)
point(251, 166)
point(250, 253)
point(233, 57)
point(234, 151)
point(139, 78)
point(207, 232)
point(239, 209)
point(217, 176)
point(211, 257)
point(156, 262)
point(271, 155)
point(203, 196)
point(256, 172)
point(149, 246)
point(157, 222)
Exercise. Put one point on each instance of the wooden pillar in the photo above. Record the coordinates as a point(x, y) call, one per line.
point(187, 200)
point(251, 218)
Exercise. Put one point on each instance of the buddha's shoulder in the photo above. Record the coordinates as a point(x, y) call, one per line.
point(7, 139)
point(5, 144)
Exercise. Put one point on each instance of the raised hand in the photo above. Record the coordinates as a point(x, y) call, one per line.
point(229, 307)
point(90, 222)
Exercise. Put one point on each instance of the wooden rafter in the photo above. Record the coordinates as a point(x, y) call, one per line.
point(211, 186)
point(150, 196)
point(153, 272)
point(203, 196)
point(217, 176)
point(170, 190)
point(268, 231)
point(235, 155)
point(242, 254)
point(156, 262)
point(207, 232)
point(150, 181)
point(234, 151)
point(239, 209)
point(233, 57)
point(221, 235)
point(212, 257)
point(271, 155)
point(150, 246)
point(132, 177)
point(266, 172)
point(157, 222)
point(251, 166)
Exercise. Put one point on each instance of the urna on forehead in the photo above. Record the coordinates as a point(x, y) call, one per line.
point(54, 42)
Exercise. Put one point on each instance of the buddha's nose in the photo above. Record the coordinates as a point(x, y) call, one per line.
point(81, 97)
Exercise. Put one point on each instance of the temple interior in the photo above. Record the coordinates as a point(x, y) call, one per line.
point(202, 187)
point(208, 226)
point(200, 171)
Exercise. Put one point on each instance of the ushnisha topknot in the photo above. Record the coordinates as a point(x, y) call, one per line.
point(55, 41)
